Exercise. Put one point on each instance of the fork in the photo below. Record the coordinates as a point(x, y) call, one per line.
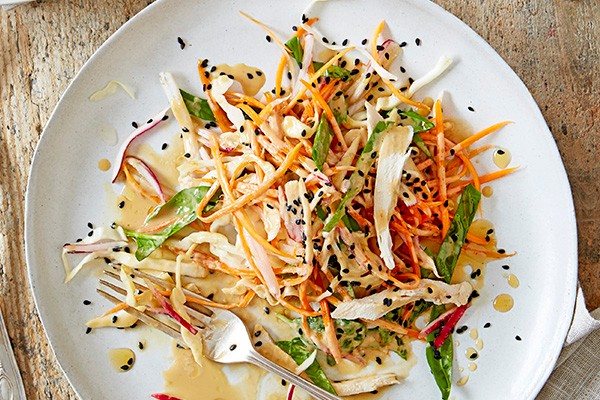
point(225, 336)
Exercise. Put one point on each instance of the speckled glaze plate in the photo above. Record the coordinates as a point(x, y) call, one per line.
point(532, 209)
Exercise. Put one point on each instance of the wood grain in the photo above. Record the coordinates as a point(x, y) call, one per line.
point(553, 45)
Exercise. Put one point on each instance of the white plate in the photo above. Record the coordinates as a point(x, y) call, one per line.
point(532, 209)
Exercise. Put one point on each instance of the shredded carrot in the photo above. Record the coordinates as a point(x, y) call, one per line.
point(479, 135)
point(251, 113)
point(376, 34)
point(334, 345)
point(220, 116)
point(441, 168)
point(279, 75)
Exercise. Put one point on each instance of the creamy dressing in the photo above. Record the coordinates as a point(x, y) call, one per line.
point(251, 78)
point(472, 367)
point(487, 191)
point(512, 280)
point(474, 333)
point(462, 381)
point(121, 359)
point(471, 353)
point(503, 303)
point(104, 165)
point(502, 158)
point(479, 344)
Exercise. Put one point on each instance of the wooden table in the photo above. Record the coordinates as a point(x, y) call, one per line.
point(553, 45)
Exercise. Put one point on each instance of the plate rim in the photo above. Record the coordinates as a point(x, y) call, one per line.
point(572, 278)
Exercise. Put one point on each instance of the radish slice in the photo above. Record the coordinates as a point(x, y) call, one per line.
point(165, 304)
point(290, 393)
point(147, 174)
point(157, 119)
point(162, 396)
point(433, 325)
point(447, 329)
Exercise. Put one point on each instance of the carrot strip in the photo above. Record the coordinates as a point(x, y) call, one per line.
point(334, 345)
point(279, 75)
point(376, 34)
point(441, 168)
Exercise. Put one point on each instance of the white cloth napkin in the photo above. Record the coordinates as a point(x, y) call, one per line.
point(576, 374)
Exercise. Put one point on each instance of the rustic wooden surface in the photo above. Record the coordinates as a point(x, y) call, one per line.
point(553, 45)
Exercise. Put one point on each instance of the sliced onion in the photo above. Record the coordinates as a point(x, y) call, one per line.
point(264, 265)
point(147, 174)
point(162, 396)
point(86, 248)
point(157, 119)
point(172, 313)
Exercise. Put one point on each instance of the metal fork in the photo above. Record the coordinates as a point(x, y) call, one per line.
point(225, 336)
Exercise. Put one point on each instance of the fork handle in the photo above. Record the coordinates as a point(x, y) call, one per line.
point(315, 391)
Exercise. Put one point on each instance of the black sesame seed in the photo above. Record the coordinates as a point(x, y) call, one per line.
point(283, 382)
point(259, 73)
point(473, 356)
point(344, 43)
point(501, 251)
point(471, 109)
point(370, 97)
point(114, 319)
point(258, 344)
point(363, 42)
point(184, 129)
point(87, 302)
point(130, 361)
point(380, 47)
point(257, 333)
point(232, 347)
point(268, 38)
point(122, 204)
point(452, 152)
point(418, 41)
point(500, 151)
point(164, 146)
point(88, 330)
point(518, 338)
point(403, 44)
point(124, 367)
point(204, 63)
point(90, 233)
point(266, 310)
point(487, 325)
point(378, 360)
point(181, 43)
point(324, 39)
point(140, 345)
point(505, 267)
point(403, 70)
point(187, 155)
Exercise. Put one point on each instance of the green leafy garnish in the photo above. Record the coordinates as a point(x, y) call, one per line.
point(457, 233)
point(197, 107)
point(296, 48)
point(183, 205)
point(322, 141)
point(299, 352)
point(332, 71)
point(351, 223)
point(440, 360)
point(420, 123)
point(357, 179)
point(339, 108)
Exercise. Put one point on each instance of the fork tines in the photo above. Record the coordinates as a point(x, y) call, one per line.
point(111, 288)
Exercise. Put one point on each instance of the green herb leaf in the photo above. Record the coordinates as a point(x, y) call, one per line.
point(418, 310)
point(440, 360)
point(421, 124)
point(457, 233)
point(320, 212)
point(351, 223)
point(183, 205)
point(418, 141)
point(357, 179)
point(440, 364)
point(296, 48)
point(299, 352)
point(332, 71)
point(339, 108)
point(197, 107)
point(322, 141)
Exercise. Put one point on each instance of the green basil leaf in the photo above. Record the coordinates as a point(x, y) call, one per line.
point(357, 179)
point(457, 233)
point(421, 124)
point(440, 360)
point(418, 141)
point(197, 107)
point(299, 352)
point(332, 71)
point(183, 205)
point(296, 48)
point(351, 223)
point(440, 364)
point(322, 141)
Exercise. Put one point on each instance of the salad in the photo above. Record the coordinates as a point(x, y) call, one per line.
point(339, 200)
